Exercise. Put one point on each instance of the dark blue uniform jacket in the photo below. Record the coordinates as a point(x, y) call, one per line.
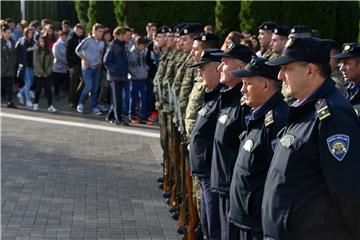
point(230, 124)
point(312, 189)
point(257, 145)
point(202, 136)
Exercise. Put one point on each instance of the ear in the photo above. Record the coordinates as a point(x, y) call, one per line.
point(312, 70)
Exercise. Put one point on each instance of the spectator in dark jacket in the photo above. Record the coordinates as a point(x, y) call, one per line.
point(115, 61)
point(8, 63)
point(74, 64)
point(25, 47)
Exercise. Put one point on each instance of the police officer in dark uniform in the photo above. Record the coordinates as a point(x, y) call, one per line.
point(262, 92)
point(350, 68)
point(230, 124)
point(311, 190)
point(201, 142)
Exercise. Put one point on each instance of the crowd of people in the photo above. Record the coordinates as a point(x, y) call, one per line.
point(259, 133)
point(113, 69)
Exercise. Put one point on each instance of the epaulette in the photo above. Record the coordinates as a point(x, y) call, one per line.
point(322, 109)
point(269, 118)
point(242, 100)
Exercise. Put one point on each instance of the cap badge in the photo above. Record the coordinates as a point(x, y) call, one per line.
point(347, 47)
point(203, 38)
point(186, 31)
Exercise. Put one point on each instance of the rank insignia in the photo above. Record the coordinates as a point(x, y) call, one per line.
point(242, 101)
point(322, 109)
point(223, 119)
point(269, 118)
point(248, 145)
point(287, 140)
point(338, 145)
point(273, 144)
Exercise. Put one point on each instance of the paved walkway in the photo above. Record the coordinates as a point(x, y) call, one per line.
point(73, 182)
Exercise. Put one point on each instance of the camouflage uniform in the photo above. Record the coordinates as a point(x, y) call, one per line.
point(196, 99)
point(186, 87)
point(337, 76)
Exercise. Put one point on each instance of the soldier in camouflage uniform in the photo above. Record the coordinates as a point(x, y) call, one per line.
point(161, 41)
point(265, 34)
point(336, 74)
point(278, 41)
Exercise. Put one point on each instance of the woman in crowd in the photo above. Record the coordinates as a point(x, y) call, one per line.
point(43, 65)
point(50, 36)
point(25, 47)
point(233, 37)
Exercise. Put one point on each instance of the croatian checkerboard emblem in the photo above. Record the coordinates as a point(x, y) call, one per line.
point(338, 145)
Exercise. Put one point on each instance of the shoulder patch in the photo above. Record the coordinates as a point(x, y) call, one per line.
point(249, 144)
point(287, 140)
point(223, 119)
point(269, 118)
point(322, 109)
point(338, 145)
point(242, 101)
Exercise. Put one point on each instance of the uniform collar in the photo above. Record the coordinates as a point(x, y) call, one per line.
point(267, 106)
point(231, 93)
point(353, 90)
point(214, 93)
point(322, 91)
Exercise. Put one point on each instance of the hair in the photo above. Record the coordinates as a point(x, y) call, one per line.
point(62, 33)
point(46, 48)
point(247, 42)
point(208, 28)
point(97, 26)
point(121, 31)
point(46, 32)
point(45, 21)
point(65, 22)
point(26, 32)
point(34, 24)
point(277, 84)
point(5, 27)
point(9, 20)
point(139, 40)
point(257, 47)
point(79, 25)
point(25, 23)
point(150, 24)
point(234, 36)
point(324, 68)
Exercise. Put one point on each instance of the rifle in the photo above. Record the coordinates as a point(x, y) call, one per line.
point(166, 168)
point(181, 223)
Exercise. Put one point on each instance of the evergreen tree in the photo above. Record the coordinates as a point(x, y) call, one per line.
point(81, 8)
point(11, 9)
point(101, 12)
point(226, 17)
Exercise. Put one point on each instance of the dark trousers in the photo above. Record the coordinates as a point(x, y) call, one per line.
point(59, 80)
point(210, 219)
point(116, 100)
point(150, 96)
point(41, 82)
point(76, 85)
point(224, 206)
point(7, 88)
point(240, 234)
point(138, 87)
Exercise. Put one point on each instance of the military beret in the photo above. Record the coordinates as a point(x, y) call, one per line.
point(301, 31)
point(205, 37)
point(191, 28)
point(282, 31)
point(310, 49)
point(179, 27)
point(349, 50)
point(241, 52)
point(257, 67)
point(268, 26)
point(163, 29)
point(207, 57)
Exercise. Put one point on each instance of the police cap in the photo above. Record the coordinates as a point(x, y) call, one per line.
point(238, 51)
point(349, 50)
point(310, 49)
point(268, 25)
point(207, 57)
point(206, 37)
point(191, 28)
point(257, 67)
point(282, 31)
